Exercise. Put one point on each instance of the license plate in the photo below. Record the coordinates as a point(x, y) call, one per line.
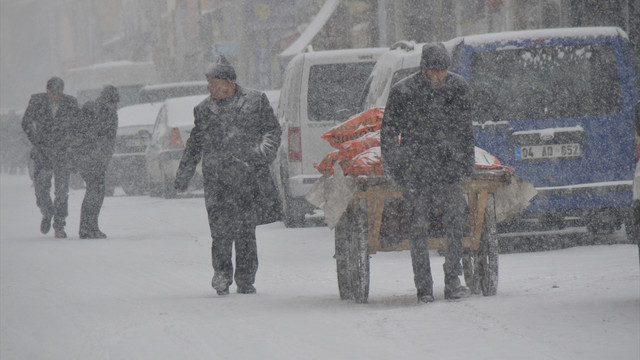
point(135, 142)
point(560, 151)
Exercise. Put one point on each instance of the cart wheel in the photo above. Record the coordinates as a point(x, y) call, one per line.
point(342, 239)
point(471, 278)
point(358, 253)
point(487, 260)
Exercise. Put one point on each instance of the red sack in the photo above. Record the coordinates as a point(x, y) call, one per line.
point(368, 162)
point(325, 167)
point(356, 126)
point(354, 147)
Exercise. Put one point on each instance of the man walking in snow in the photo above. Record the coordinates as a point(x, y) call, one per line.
point(48, 121)
point(93, 148)
point(427, 148)
point(237, 135)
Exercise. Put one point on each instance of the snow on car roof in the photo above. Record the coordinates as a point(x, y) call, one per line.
point(138, 114)
point(584, 32)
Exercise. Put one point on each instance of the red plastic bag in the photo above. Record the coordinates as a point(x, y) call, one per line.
point(354, 147)
point(356, 126)
point(369, 162)
point(325, 167)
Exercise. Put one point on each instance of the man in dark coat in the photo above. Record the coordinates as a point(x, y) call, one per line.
point(48, 121)
point(92, 151)
point(236, 134)
point(427, 148)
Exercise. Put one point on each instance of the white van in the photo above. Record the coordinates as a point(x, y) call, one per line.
point(320, 90)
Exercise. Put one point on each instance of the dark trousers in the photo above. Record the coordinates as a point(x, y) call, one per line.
point(93, 196)
point(43, 173)
point(420, 206)
point(229, 203)
point(243, 235)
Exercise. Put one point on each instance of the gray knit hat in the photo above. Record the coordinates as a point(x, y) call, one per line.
point(434, 57)
point(221, 69)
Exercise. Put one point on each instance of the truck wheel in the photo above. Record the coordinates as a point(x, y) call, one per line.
point(632, 223)
point(292, 217)
point(132, 188)
point(168, 190)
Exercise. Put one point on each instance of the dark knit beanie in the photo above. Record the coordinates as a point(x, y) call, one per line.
point(434, 57)
point(110, 94)
point(221, 69)
point(55, 85)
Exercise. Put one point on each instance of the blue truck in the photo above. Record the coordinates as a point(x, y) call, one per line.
point(558, 106)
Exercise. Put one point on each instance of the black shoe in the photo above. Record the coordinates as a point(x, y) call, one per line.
point(60, 234)
point(93, 234)
point(246, 289)
point(45, 224)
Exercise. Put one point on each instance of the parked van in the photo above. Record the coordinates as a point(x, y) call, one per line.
point(320, 90)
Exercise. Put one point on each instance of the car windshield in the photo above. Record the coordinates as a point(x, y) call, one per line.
point(545, 82)
point(334, 90)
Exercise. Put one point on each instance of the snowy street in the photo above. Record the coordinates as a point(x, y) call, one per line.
point(144, 293)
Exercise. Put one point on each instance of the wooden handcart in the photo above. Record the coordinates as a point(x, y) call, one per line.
point(357, 235)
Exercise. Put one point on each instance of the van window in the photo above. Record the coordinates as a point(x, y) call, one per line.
point(334, 90)
point(546, 82)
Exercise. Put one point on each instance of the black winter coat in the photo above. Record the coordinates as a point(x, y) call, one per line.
point(95, 134)
point(50, 135)
point(237, 139)
point(436, 144)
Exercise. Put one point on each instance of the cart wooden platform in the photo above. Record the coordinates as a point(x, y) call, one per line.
point(357, 235)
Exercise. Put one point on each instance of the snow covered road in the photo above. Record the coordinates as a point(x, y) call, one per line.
point(144, 293)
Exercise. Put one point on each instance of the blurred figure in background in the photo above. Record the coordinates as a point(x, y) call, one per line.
point(93, 147)
point(48, 122)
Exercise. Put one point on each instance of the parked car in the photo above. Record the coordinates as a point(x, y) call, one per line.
point(558, 106)
point(128, 165)
point(320, 90)
point(161, 92)
point(170, 133)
